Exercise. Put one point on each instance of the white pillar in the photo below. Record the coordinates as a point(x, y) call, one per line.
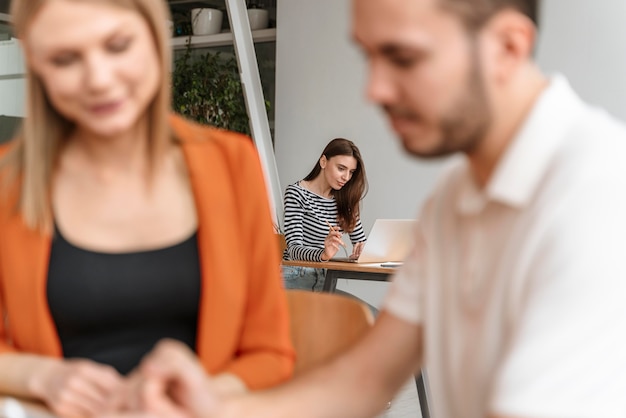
point(255, 101)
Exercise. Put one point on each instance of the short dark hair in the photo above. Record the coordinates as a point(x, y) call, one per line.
point(475, 13)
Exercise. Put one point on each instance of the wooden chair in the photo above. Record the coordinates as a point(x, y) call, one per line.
point(324, 324)
point(282, 244)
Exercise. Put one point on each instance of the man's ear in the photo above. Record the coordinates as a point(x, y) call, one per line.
point(510, 38)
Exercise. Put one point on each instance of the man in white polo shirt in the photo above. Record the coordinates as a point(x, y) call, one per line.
point(514, 298)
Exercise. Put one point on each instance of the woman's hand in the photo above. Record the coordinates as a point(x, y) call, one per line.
point(171, 383)
point(331, 243)
point(77, 388)
point(357, 249)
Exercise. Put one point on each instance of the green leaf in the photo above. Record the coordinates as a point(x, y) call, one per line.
point(207, 88)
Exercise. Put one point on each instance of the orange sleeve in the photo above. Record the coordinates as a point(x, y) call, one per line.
point(5, 344)
point(266, 356)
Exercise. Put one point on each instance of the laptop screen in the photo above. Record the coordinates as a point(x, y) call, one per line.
point(389, 240)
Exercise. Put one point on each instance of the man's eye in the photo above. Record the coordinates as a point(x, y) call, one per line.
point(404, 62)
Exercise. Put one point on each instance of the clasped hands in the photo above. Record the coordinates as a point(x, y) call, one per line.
point(169, 383)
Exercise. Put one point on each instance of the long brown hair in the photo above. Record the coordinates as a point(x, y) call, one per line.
point(29, 165)
point(349, 197)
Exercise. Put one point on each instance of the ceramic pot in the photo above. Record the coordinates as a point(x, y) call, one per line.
point(206, 21)
point(259, 18)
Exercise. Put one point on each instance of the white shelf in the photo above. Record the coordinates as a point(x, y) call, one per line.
point(221, 39)
point(205, 3)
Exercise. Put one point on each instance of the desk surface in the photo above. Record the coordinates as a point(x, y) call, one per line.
point(338, 269)
point(341, 266)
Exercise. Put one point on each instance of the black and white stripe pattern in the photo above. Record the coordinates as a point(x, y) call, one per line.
point(305, 225)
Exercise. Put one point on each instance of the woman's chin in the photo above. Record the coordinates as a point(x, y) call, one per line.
point(110, 129)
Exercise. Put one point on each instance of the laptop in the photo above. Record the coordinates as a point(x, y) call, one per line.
point(389, 241)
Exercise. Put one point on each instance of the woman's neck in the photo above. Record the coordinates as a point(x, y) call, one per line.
point(319, 186)
point(110, 157)
point(125, 152)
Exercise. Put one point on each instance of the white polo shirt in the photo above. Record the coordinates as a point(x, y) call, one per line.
point(521, 286)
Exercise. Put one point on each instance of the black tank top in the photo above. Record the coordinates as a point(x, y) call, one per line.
point(113, 307)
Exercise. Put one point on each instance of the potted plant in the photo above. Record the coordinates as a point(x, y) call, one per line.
point(207, 88)
point(181, 22)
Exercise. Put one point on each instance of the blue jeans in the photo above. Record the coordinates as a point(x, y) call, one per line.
point(308, 278)
point(305, 278)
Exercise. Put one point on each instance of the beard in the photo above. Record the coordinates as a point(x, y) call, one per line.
point(463, 128)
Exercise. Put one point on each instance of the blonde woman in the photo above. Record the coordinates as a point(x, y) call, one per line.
point(122, 225)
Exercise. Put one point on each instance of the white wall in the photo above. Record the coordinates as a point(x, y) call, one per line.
point(12, 87)
point(585, 40)
point(320, 81)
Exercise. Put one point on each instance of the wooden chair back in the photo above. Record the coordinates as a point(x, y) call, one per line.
point(324, 324)
point(282, 244)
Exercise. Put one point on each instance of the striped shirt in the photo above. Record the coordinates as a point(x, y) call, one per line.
point(306, 214)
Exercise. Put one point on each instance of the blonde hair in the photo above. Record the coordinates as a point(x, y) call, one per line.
point(29, 164)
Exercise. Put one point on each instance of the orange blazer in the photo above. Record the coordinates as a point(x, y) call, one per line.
point(243, 324)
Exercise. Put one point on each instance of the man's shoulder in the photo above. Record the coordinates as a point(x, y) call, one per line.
point(562, 106)
point(596, 141)
point(598, 122)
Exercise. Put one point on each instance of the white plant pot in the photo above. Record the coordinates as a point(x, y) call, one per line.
point(259, 18)
point(206, 21)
